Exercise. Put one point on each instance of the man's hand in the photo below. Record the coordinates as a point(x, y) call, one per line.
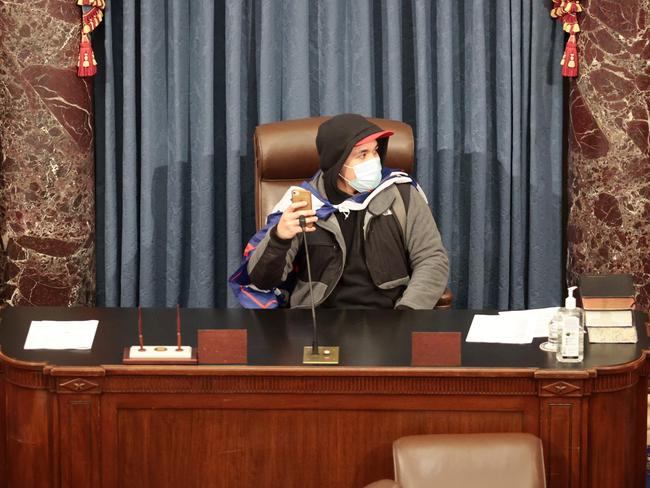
point(289, 226)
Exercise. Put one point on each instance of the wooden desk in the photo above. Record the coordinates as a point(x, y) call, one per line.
point(82, 419)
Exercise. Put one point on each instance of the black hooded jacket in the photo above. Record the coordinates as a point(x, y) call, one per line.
point(335, 140)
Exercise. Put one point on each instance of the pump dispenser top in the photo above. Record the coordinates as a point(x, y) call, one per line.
point(570, 301)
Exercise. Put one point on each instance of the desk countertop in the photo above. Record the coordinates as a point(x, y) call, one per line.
point(377, 338)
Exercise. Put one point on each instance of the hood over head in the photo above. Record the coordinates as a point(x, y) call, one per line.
point(337, 136)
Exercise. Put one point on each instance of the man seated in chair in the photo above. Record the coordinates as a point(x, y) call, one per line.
point(373, 242)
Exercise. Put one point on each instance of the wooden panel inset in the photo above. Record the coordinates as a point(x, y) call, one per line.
point(79, 450)
point(182, 447)
point(561, 434)
point(617, 417)
point(28, 461)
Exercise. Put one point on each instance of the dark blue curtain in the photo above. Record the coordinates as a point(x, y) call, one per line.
point(182, 85)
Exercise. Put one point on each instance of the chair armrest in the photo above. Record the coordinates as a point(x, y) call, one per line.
point(383, 484)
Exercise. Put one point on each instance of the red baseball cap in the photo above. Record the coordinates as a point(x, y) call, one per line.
point(375, 136)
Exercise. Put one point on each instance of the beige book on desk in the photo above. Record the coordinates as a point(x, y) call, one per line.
point(612, 335)
point(608, 318)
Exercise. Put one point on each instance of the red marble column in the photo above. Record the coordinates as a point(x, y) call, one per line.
point(47, 208)
point(609, 159)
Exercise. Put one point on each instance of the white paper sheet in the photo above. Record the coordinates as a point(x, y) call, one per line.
point(54, 334)
point(535, 320)
point(498, 329)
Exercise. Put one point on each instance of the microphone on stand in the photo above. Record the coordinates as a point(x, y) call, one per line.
point(314, 354)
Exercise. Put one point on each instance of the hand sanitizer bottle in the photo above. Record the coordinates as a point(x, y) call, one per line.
point(571, 346)
point(553, 332)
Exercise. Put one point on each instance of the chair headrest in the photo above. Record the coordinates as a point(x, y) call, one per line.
point(286, 150)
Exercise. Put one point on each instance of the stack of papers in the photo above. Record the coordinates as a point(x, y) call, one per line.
point(54, 334)
point(516, 327)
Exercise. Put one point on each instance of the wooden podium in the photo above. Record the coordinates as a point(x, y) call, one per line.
point(77, 419)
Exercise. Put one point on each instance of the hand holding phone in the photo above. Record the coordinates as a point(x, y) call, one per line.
point(301, 196)
point(289, 224)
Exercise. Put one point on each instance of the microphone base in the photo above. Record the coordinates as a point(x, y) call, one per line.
point(326, 355)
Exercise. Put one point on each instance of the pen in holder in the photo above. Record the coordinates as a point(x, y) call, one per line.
point(159, 354)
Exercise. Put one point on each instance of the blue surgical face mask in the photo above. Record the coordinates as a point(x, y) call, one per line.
point(368, 175)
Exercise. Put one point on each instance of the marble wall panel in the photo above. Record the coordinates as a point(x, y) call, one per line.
point(47, 209)
point(609, 158)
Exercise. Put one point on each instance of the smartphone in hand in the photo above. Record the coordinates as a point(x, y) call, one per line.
point(298, 195)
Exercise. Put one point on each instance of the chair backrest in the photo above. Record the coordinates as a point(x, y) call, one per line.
point(285, 155)
point(485, 460)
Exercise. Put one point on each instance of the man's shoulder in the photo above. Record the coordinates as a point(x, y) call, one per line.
point(404, 190)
